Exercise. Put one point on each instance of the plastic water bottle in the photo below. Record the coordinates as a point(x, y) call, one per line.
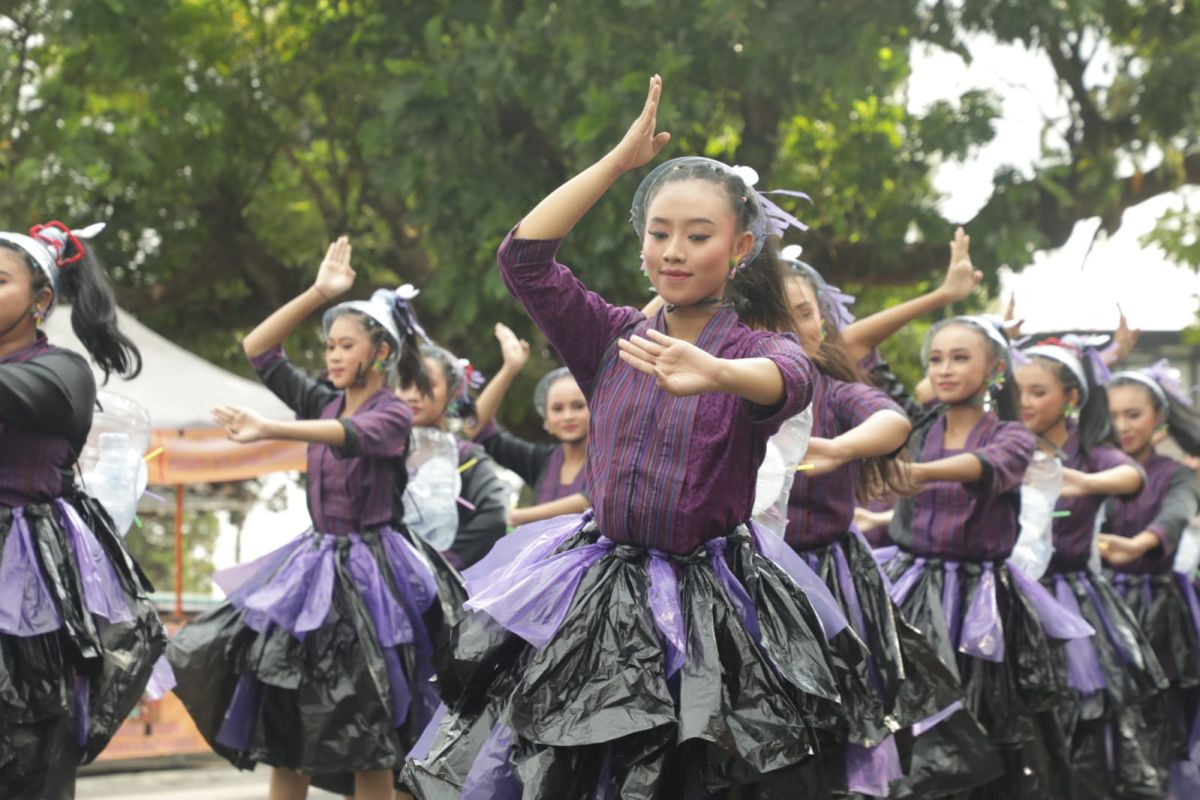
point(1187, 556)
point(1039, 494)
point(434, 484)
point(114, 479)
point(785, 452)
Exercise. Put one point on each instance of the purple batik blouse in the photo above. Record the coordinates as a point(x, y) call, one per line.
point(821, 508)
point(1074, 532)
point(968, 521)
point(351, 488)
point(1164, 507)
point(47, 396)
point(663, 472)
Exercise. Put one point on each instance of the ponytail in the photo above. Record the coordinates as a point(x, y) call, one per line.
point(84, 284)
point(757, 293)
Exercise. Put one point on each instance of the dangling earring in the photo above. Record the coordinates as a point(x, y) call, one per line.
point(39, 316)
point(824, 332)
point(1070, 410)
point(642, 266)
point(997, 381)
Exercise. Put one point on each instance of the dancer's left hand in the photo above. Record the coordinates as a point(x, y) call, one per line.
point(240, 424)
point(679, 367)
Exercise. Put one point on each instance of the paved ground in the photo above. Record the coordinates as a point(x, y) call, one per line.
point(214, 780)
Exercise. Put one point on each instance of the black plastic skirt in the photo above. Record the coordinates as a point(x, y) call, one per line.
point(1002, 633)
point(1168, 609)
point(911, 684)
point(595, 669)
point(79, 640)
point(321, 660)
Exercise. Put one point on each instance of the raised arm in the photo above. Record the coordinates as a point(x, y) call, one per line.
point(334, 278)
point(516, 353)
point(561, 210)
point(863, 335)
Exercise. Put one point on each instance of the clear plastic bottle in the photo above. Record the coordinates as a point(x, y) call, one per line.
point(1039, 494)
point(785, 452)
point(114, 479)
point(434, 484)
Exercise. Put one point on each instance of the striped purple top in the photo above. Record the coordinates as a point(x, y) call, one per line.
point(351, 488)
point(1164, 507)
point(821, 508)
point(1073, 533)
point(968, 521)
point(47, 396)
point(663, 472)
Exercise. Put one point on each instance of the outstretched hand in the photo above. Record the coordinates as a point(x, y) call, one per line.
point(240, 424)
point(335, 276)
point(680, 368)
point(1124, 338)
point(961, 276)
point(823, 456)
point(514, 351)
point(640, 143)
point(1012, 325)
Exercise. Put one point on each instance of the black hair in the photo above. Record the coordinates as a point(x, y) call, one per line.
point(1095, 423)
point(409, 369)
point(879, 475)
point(1183, 421)
point(1001, 388)
point(84, 285)
point(756, 290)
point(459, 402)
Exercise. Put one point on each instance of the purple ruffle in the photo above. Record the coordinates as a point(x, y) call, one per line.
point(870, 770)
point(1084, 671)
point(492, 776)
point(102, 595)
point(527, 588)
point(982, 632)
point(162, 679)
point(27, 606)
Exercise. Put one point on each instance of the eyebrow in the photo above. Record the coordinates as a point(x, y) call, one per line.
point(694, 220)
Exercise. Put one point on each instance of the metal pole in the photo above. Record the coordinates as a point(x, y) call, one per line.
point(179, 551)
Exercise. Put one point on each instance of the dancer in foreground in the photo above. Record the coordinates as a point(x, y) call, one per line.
point(655, 647)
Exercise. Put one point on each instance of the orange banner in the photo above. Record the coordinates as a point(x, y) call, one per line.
point(206, 456)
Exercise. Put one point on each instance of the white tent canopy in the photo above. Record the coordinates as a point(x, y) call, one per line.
point(177, 387)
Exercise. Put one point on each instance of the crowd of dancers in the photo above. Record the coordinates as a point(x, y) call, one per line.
point(754, 564)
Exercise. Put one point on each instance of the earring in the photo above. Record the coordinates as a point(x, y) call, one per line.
point(39, 316)
point(1070, 410)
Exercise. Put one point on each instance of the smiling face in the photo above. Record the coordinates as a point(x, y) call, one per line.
point(350, 352)
point(18, 295)
point(1043, 397)
point(428, 411)
point(567, 412)
point(1134, 418)
point(691, 237)
point(806, 312)
point(960, 363)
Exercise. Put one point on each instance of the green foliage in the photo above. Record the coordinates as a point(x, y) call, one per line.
point(226, 141)
point(153, 547)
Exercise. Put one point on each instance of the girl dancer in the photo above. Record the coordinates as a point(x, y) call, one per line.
point(318, 664)
point(79, 637)
point(1114, 671)
point(856, 427)
point(483, 500)
point(996, 627)
point(555, 472)
point(1138, 545)
point(660, 652)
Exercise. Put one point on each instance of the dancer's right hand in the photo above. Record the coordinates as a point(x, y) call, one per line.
point(335, 276)
point(514, 351)
point(641, 143)
point(961, 276)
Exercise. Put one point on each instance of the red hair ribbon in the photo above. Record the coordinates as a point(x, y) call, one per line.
point(58, 245)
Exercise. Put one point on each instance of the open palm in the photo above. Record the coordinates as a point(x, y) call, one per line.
point(680, 368)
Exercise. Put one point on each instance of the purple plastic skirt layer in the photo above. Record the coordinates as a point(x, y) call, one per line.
point(596, 669)
point(320, 659)
point(1115, 676)
point(908, 684)
point(1001, 632)
point(1168, 609)
point(79, 638)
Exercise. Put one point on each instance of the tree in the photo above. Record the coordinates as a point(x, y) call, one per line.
point(226, 141)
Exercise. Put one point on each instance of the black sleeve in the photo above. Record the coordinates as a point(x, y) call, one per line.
point(303, 394)
point(523, 457)
point(884, 379)
point(482, 527)
point(53, 393)
point(1178, 507)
